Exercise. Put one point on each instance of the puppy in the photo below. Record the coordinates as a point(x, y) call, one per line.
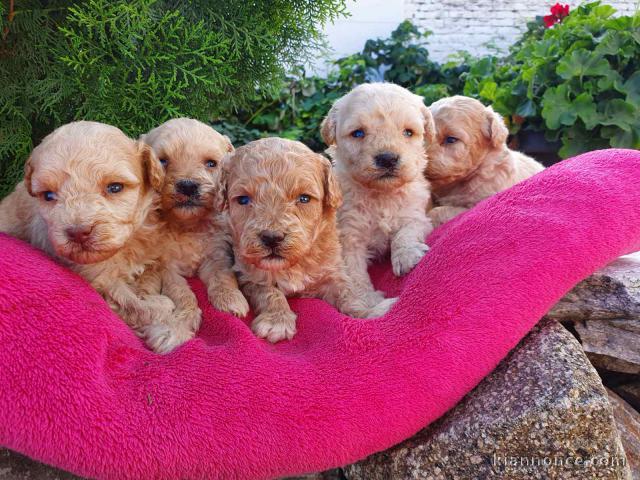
point(196, 237)
point(282, 207)
point(376, 136)
point(89, 198)
point(470, 160)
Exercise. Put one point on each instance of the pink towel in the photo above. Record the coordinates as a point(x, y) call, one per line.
point(79, 391)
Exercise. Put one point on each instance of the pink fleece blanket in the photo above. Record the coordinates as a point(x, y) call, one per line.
point(79, 391)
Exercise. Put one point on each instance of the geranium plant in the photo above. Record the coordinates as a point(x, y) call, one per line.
point(578, 81)
point(558, 12)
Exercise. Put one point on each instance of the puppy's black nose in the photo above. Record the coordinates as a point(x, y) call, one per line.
point(271, 239)
point(387, 160)
point(188, 188)
point(79, 233)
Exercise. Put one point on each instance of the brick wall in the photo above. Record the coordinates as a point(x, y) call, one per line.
point(475, 25)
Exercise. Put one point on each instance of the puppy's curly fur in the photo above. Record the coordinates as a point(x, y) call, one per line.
point(282, 206)
point(376, 136)
point(196, 237)
point(470, 160)
point(89, 198)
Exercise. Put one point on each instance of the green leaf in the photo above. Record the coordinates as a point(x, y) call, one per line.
point(632, 89)
point(527, 109)
point(582, 62)
point(619, 113)
point(556, 108)
point(488, 90)
point(586, 110)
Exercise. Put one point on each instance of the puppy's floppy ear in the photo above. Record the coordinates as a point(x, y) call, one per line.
point(220, 199)
point(328, 127)
point(429, 126)
point(28, 173)
point(153, 169)
point(494, 128)
point(332, 191)
point(229, 146)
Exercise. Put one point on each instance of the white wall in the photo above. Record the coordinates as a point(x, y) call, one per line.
point(457, 24)
point(471, 25)
point(368, 19)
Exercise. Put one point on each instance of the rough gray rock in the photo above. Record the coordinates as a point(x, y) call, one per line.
point(543, 410)
point(628, 424)
point(605, 313)
point(630, 392)
point(611, 293)
point(18, 467)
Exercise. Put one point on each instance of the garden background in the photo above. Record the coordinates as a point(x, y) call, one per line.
point(570, 83)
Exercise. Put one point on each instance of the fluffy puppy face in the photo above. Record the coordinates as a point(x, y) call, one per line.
point(378, 132)
point(281, 196)
point(466, 132)
point(190, 152)
point(94, 187)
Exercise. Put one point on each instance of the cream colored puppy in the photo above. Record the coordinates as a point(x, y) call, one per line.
point(196, 239)
point(89, 198)
point(282, 206)
point(377, 135)
point(470, 160)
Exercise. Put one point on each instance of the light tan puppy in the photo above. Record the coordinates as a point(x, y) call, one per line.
point(89, 198)
point(196, 238)
point(377, 135)
point(283, 200)
point(470, 160)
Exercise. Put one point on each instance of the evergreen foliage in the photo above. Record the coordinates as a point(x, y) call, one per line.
point(137, 63)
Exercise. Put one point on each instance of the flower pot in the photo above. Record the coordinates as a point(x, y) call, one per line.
point(534, 144)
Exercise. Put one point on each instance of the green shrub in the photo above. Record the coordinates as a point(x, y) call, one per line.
point(579, 80)
point(303, 101)
point(137, 63)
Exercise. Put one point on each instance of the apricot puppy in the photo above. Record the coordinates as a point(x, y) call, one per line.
point(282, 207)
point(89, 198)
point(377, 135)
point(470, 160)
point(196, 238)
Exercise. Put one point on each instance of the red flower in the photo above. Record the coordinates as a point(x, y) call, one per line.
point(558, 12)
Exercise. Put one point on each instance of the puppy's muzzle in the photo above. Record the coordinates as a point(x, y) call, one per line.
point(187, 193)
point(188, 188)
point(386, 161)
point(271, 239)
point(79, 234)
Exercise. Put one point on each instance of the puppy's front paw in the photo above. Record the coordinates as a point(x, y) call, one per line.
point(190, 318)
point(163, 338)
point(230, 300)
point(381, 308)
point(275, 326)
point(150, 309)
point(404, 259)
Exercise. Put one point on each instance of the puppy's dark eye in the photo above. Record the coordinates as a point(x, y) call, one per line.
point(407, 132)
point(357, 133)
point(115, 187)
point(450, 140)
point(211, 163)
point(49, 196)
point(304, 198)
point(164, 162)
point(243, 200)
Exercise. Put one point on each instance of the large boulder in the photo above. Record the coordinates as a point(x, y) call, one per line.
point(543, 413)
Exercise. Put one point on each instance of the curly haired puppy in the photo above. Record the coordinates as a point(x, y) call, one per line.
point(282, 206)
point(89, 198)
point(377, 135)
point(470, 160)
point(196, 238)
